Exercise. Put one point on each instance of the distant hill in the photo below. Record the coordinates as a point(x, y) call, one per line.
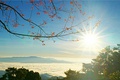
point(51, 77)
point(31, 59)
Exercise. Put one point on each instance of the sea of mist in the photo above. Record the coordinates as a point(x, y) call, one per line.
point(54, 69)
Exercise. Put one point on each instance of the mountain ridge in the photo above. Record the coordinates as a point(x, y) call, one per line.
point(31, 59)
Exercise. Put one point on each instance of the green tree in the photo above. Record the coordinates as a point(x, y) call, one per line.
point(88, 72)
point(32, 76)
point(87, 67)
point(115, 75)
point(20, 74)
point(107, 62)
point(72, 75)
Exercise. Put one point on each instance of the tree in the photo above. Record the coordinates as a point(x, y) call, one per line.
point(20, 74)
point(115, 76)
point(36, 17)
point(107, 63)
point(89, 73)
point(87, 67)
point(72, 75)
point(32, 76)
point(101, 63)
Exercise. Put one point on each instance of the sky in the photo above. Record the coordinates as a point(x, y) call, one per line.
point(105, 11)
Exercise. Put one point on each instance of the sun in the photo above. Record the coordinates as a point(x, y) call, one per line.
point(90, 40)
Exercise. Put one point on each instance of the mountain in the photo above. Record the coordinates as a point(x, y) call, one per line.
point(31, 59)
point(50, 77)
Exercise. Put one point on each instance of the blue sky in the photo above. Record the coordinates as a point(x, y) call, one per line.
point(107, 11)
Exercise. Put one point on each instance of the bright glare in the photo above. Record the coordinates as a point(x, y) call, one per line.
point(90, 40)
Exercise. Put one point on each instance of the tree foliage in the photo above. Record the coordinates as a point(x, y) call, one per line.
point(72, 75)
point(115, 75)
point(39, 18)
point(108, 60)
point(106, 64)
point(20, 74)
point(87, 67)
